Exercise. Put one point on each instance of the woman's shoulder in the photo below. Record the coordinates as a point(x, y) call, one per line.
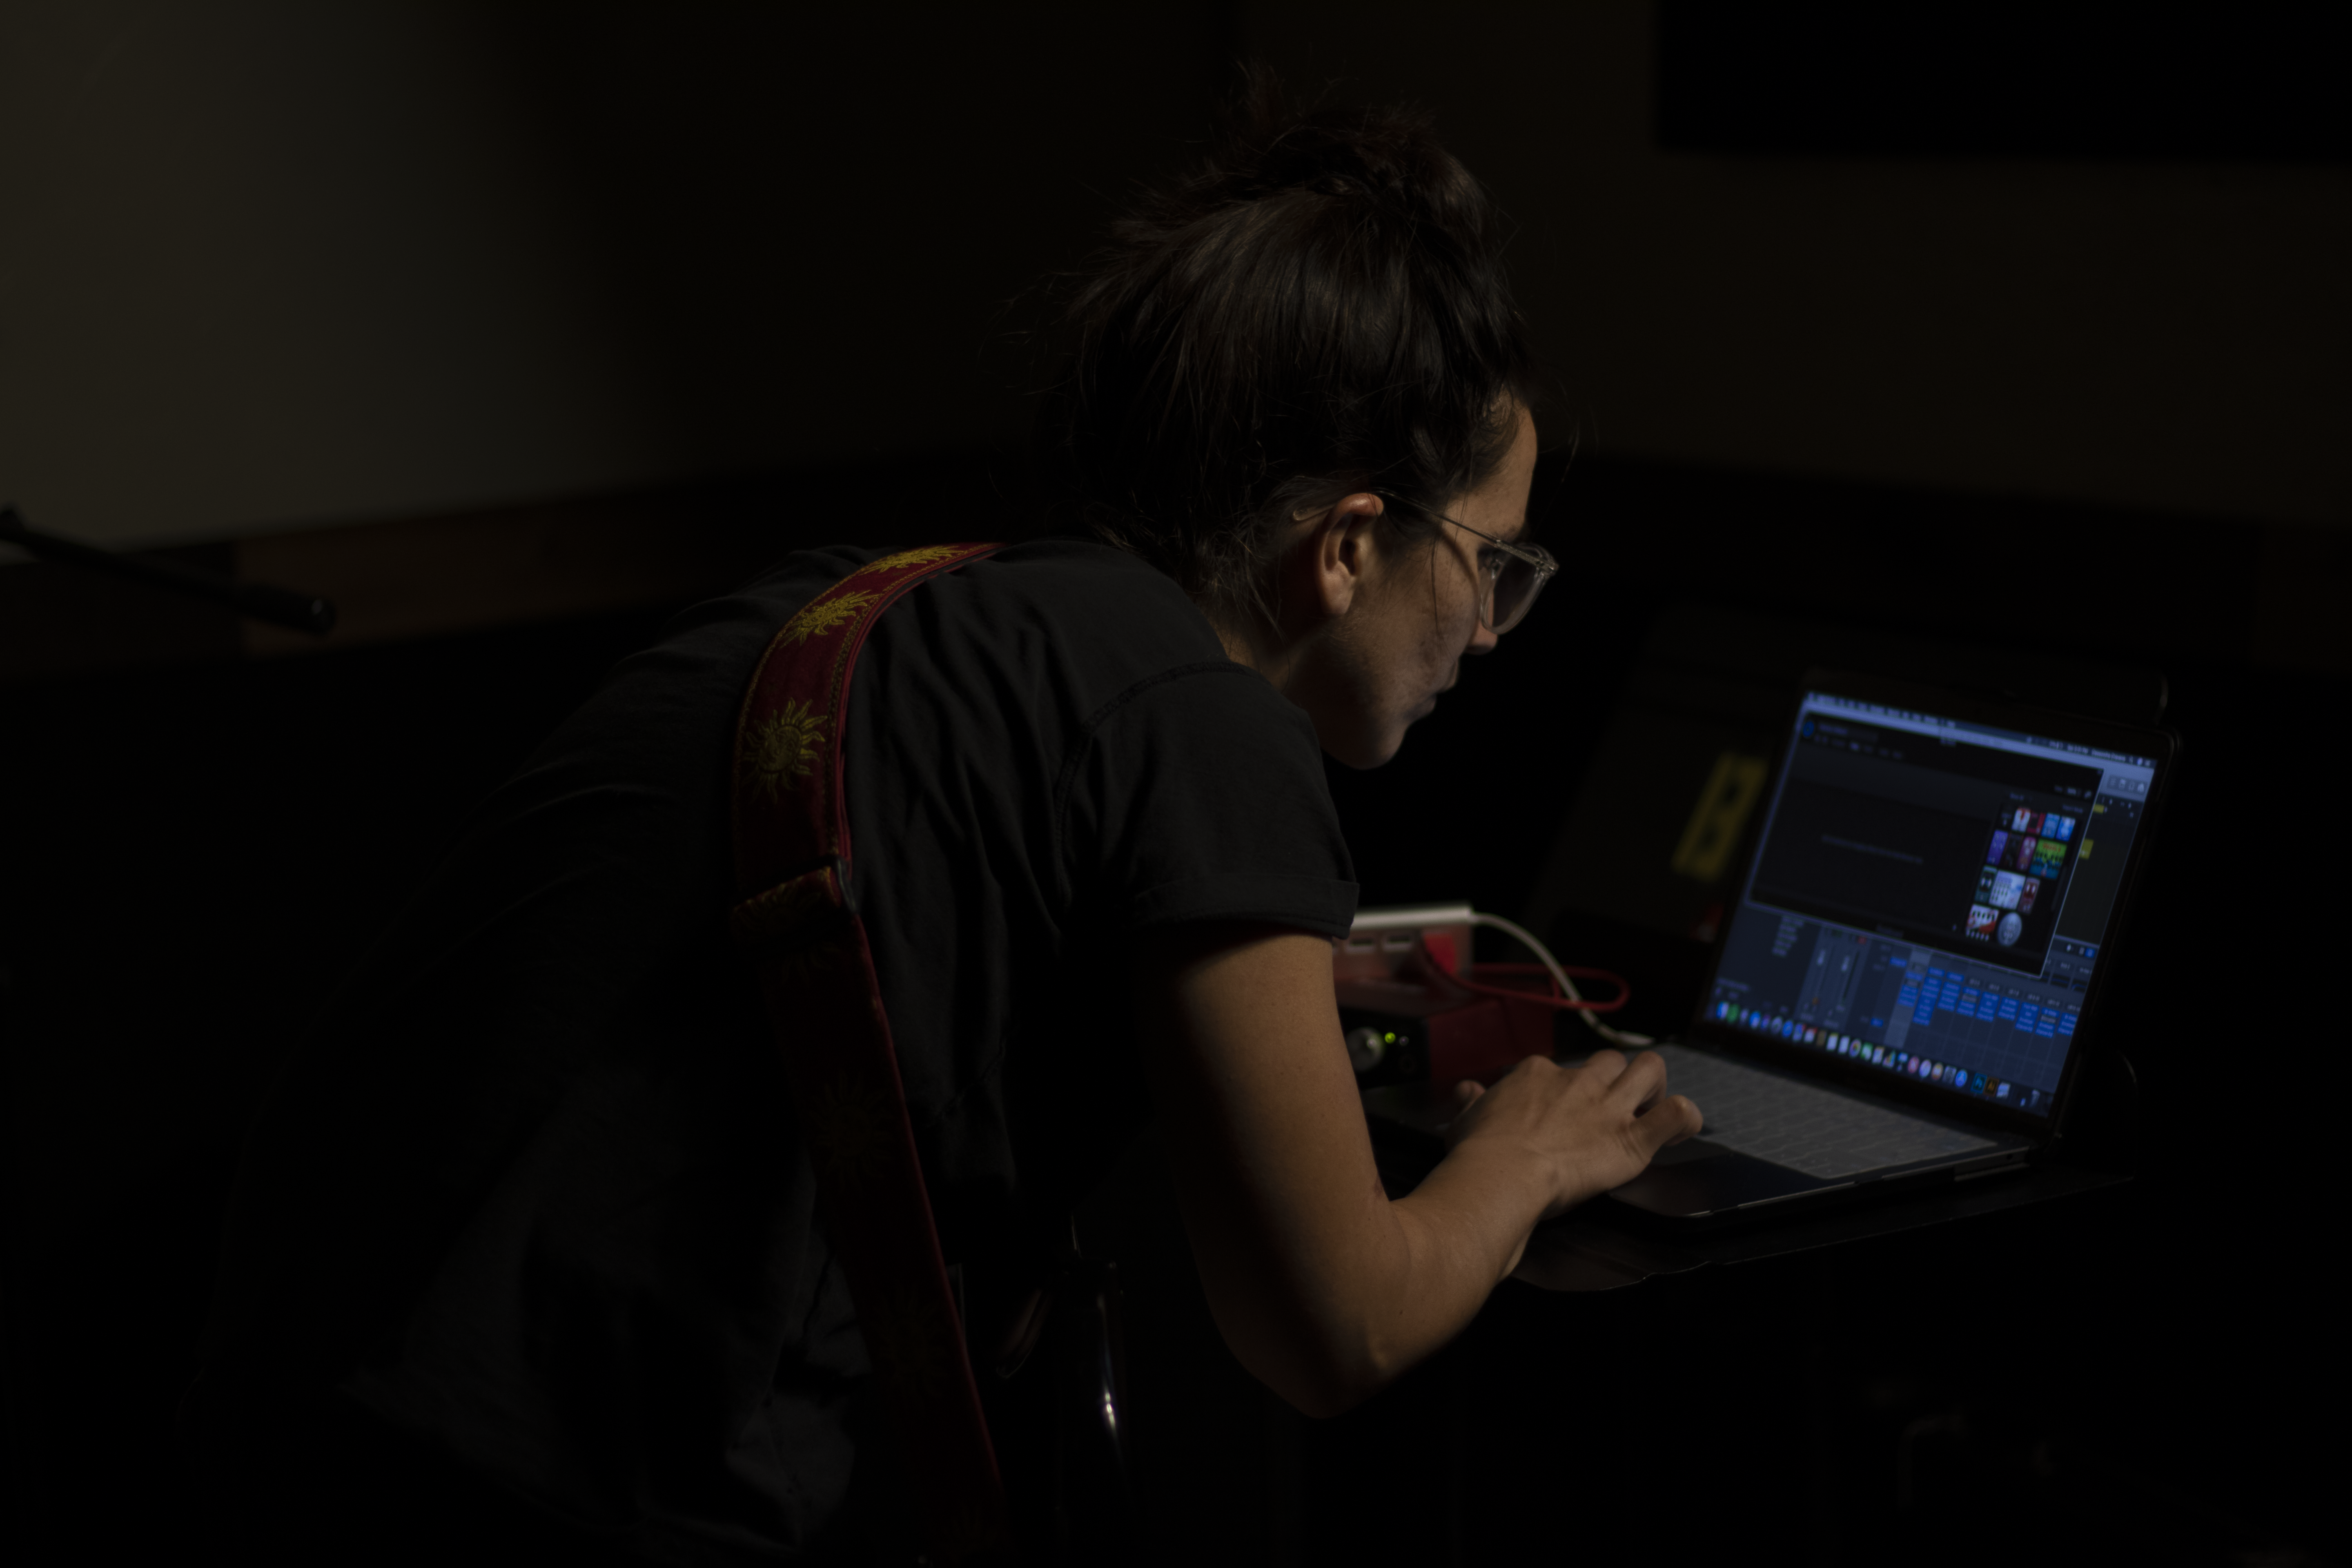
point(1085, 620)
point(1077, 586)
point(1083, 582)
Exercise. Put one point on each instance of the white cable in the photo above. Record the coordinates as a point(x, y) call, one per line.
point(1526, 939)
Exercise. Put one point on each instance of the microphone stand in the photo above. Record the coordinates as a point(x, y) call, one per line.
point(257, 601)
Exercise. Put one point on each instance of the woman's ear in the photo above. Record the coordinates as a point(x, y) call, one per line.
point(1327, 561)
point(1338, 555)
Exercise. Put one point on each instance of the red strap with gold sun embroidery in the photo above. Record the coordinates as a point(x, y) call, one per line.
point(797, 923)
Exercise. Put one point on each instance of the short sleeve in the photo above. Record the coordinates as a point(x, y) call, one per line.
point(1199, 795)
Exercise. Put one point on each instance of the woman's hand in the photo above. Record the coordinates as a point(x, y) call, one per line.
point(1323, 1287)
point(1593, 1126)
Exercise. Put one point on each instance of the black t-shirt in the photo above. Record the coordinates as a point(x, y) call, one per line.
point(536, 1194)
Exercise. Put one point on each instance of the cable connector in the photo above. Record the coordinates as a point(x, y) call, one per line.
point(1378, 928)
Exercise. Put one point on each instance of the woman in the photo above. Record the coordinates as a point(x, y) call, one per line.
point(537, 1201)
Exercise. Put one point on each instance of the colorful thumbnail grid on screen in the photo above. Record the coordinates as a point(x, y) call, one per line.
point(2026, 850)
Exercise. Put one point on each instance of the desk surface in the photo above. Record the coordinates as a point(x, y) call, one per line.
point(1588, 1250)
point(1581, 1251)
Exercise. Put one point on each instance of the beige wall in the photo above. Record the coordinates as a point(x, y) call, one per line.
point(269, 265)
point(2170, 336)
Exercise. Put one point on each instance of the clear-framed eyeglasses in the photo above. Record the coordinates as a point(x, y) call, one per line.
point(1512, 575)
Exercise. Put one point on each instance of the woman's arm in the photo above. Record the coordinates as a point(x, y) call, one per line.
point(1322, 1286)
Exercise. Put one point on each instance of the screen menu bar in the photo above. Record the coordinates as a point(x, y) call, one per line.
point(2120, 767)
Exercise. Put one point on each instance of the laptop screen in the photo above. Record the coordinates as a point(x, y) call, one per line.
point(1930, 897)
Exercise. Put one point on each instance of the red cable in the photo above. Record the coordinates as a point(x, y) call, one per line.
point(1554, 999)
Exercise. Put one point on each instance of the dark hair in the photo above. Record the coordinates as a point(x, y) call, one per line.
point(1319, 308)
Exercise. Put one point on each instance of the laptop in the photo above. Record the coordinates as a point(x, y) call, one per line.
point(1908, 978)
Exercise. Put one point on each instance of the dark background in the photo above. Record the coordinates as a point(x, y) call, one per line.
point(203, 832)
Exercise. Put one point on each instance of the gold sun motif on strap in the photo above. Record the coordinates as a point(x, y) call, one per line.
point(788, 918)
point(817, 619)
point(922, 557)
point(785, 747)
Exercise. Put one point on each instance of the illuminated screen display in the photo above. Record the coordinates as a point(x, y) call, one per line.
point(1930, 896)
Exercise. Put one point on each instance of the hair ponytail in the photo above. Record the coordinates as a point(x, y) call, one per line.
point(1318, 307)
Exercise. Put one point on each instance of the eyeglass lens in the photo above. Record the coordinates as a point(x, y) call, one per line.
point(1514, 589)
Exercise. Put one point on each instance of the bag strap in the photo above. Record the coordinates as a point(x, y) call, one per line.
point(796, 921)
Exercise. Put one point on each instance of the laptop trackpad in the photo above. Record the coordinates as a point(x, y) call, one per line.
point(1713, 1179)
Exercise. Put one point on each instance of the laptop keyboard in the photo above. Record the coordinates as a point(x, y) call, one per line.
point(1824, 1135)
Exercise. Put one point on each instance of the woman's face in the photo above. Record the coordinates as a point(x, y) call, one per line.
point(1381, 663)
